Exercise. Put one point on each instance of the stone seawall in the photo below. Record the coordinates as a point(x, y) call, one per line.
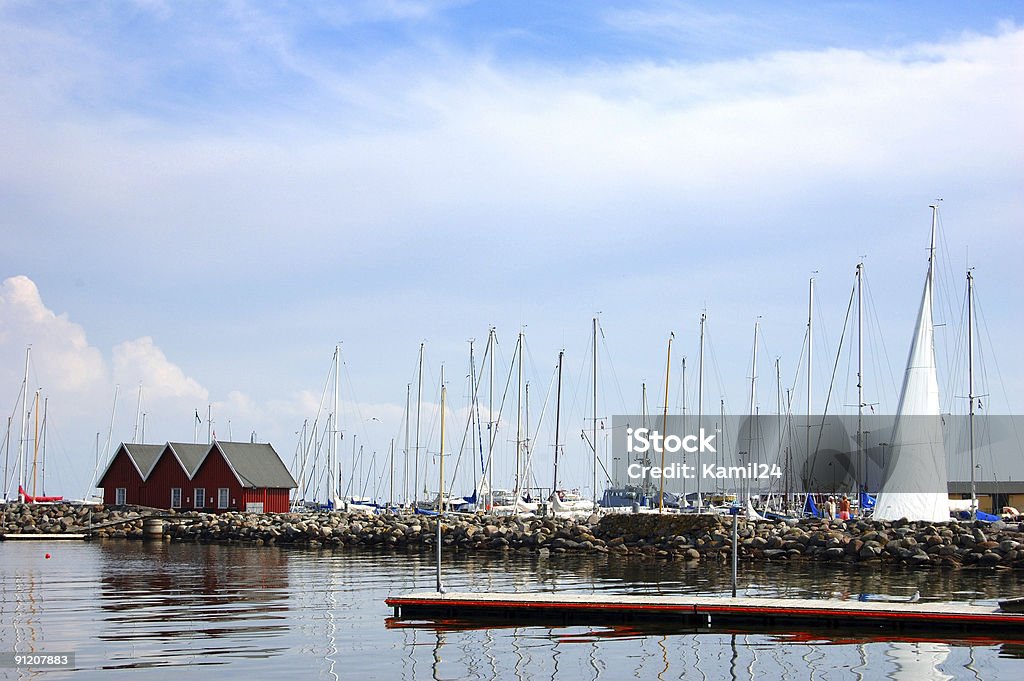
point(668, 537)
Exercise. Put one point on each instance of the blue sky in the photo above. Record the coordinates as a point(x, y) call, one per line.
point(206, 197)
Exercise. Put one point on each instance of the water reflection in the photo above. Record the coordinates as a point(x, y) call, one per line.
point(663, 651)
point(136, 609)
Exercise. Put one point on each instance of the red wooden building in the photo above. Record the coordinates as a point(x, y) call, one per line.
point(222, 476)
point(123, 479)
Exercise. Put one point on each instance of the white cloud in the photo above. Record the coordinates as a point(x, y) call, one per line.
point(64, 360)
point(141, 361)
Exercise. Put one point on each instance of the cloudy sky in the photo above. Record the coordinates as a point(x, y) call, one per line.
point(205, 198)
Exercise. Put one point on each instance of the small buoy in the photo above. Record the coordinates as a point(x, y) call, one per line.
point(47, 556)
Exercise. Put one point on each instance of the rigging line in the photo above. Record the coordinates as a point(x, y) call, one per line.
point(821, 328)
point(799, 364)
point(714, 362)
point(828, 395)
point(540, 422)
point(611, 366)
point(955, 370)
point(492, 436)
point(574, 395)
point(983, 323)
point(681, 394)
point(875, 332)
point(465, 434)
point(316, 419)
point(354, 401)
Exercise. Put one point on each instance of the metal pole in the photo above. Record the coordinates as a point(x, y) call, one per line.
point(735, 540)
point(594, 423)
point(664, 427)
point(700, 397)
point(861, 463)
point(416, 450)
point(440, 494)
point(970, 388)
point(558, 419)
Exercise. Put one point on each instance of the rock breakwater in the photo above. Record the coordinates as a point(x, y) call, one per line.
point(667, 537)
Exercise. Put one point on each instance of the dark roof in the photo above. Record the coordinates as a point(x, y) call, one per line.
point(143, 456)
point(256, 464)
point(987, 487)
point(190, 455)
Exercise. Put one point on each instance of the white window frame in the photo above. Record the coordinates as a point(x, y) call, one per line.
point(175, 491)
point(223, 497)
point(120, 496)
point(199, 497)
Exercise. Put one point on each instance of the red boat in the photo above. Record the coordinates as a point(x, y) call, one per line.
point(29, 499)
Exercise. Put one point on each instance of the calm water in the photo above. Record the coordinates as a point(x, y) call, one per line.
point(132, 609)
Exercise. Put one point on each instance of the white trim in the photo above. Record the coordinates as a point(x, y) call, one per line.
point(114, 458)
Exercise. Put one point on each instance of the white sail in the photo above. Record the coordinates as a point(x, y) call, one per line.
point(915, 485)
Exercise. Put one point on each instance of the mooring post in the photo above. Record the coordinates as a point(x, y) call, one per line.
point(440, 589)
point(735, 511)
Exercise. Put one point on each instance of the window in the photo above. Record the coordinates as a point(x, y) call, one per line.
point(175, 497)
point(222, 497)
point(121, 496)
point(199, 497)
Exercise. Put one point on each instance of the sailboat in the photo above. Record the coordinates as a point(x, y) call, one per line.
point(915, 484)
point(564, 502)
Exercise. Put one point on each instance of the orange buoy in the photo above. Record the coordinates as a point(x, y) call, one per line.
point(47, 556)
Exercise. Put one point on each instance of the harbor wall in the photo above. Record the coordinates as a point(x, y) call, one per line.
point(706, 538)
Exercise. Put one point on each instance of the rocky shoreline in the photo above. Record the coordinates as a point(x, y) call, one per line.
point(668, 537)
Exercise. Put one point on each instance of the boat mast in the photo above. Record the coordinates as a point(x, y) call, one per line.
point(664, 426)
point(391, 495)
point(419, 403)
point(700, 393)
point(682, 410)
point(7, 455)
point(593, 425)
point(440, 455)
point(643, 424)
point(474, 414)
point(970, 387)
point(405, 476)
point(810, 364)
point(526, 438)
point(861, 462)
point(35, 442)
point(491, 425)
point(138, 415)
point(780, 419)
point(333, 458)
point(24, 424)
point(519, 414)
point(558, 419)
point(753, 403)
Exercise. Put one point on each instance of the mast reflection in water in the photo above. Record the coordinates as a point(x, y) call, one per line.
point(134, 609)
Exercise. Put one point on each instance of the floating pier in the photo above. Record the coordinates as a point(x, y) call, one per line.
point(706, 612)
point(42, 537)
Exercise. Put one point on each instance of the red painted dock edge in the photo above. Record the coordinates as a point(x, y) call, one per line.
point(703, 610)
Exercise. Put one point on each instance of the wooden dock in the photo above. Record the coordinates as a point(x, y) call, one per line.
point(42, 537)
point(706, 612)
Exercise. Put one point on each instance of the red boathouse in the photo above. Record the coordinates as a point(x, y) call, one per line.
point(223, 476)
point(123, 479)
